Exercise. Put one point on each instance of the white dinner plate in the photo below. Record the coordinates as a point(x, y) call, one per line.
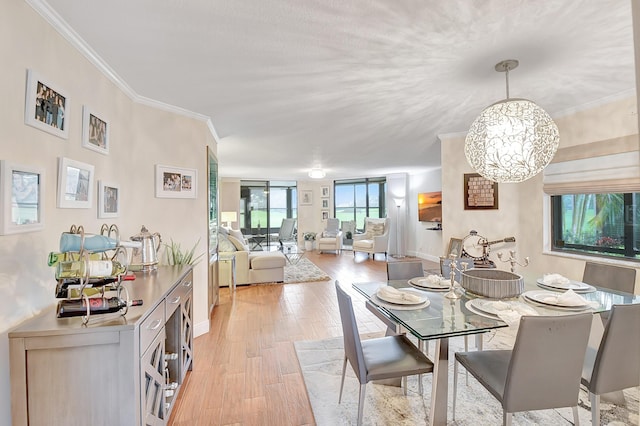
point(571, 285)
point(422, 282)
point(546, 297)
point(490, 306)
point(395, 301)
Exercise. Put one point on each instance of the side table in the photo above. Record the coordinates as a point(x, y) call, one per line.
point(230, 260)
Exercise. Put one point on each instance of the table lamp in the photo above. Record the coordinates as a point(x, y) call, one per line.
point(228, 217)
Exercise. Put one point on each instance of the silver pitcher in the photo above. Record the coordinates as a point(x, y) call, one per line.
point(145, 257)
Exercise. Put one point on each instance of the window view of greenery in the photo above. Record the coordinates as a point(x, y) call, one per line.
point(599, 224)
point(358, 199)
point(263, 205)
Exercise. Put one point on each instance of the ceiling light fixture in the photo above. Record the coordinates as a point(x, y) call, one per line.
point(513, 139)
point(317, 173)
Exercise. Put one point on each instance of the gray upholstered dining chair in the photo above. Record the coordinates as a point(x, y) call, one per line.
point(379, 358)
point(615, 365)
point(541, 372)
point(609, 276)
point(445, 266)
point(404, 270)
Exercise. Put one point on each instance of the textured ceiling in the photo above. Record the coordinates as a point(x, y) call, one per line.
point(358, 87)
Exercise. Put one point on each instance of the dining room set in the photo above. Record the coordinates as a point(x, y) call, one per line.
point(566, 334)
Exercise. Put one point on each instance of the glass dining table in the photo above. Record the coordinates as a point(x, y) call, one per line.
point(444, 318)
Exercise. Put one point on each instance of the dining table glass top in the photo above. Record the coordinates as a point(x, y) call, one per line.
point(443, 317)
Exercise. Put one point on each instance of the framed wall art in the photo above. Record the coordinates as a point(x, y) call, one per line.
point(75, 184)
point(325, 215)
point(21, 192)
point(480, 193)
point(325, 203)
point(430, 206)
point(324, 191)
point(455, 247)
point(306, 197)
point(95, 132)
point(108, 200)
point(46, 106)
point(176, 182)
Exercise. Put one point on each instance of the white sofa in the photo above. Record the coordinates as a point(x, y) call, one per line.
point(375, 238)
point(252, 267)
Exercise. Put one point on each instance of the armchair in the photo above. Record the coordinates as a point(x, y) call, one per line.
point(375, 238)
point(331, 238)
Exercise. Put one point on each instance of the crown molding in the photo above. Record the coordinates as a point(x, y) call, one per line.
point(62, 27)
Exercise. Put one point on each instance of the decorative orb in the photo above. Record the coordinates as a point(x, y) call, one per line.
point(511, 141)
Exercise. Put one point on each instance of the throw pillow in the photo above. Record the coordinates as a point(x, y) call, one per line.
point(224, 245)
point(374, 229)
point(239, 245)
point(237, 234)
point(223, 230)
point(329, 234)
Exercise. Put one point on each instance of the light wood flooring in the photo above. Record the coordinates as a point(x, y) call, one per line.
point(245, 369)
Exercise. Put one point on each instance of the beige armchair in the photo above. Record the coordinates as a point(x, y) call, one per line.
point(331, 238)
point(375, 238)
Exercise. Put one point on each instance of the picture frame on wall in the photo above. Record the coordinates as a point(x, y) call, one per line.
point(108, 200)
point(325, 215)
point(176, 182)
point(95, 132)
point(22, 194)
point(47, 106)
point(75, 184)
point(480, 193)
point(306, 197)
point(325, 203)
point(324, 190)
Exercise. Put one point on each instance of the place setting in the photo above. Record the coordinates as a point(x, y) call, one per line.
point(508, 311)
point(431, 283)
point(557, 282)
point(400, 299)
point(568, 300)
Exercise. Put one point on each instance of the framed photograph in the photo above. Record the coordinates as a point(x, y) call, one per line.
point(455, 247)
point(176, 182)
point(306, 197)
point(108, 200)
point(430, 206)
point(46, 106)
point(325, 214)
point(480, 193)
point(21, 191)
point(325, 191)
point(325, 204)
point(75, 184)
point(95, 132)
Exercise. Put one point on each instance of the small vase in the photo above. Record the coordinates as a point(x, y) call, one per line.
point(308, 245)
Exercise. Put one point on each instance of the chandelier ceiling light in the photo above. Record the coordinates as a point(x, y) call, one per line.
point(317, 173)
point(513, 139)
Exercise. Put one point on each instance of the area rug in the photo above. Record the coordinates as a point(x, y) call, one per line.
point(321, 365)
point(303, 271)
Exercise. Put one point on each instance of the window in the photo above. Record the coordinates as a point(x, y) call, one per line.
point(606, 224)
point(263, 205)
point(357, 199)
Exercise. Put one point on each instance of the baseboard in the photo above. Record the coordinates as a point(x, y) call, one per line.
point(201, 328)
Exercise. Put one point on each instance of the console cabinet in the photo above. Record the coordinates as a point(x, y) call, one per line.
point(116, 370)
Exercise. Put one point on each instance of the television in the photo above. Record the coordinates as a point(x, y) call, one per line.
point(430, 206)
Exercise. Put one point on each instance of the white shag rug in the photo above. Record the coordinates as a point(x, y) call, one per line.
point(321, 365)
point(303, 271)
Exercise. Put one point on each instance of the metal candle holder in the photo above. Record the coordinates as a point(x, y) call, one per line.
point(513, 260)
point(454, 291)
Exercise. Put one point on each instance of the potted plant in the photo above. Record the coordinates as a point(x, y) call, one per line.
point(348, 238)
point(175, 255)
point(309, 238)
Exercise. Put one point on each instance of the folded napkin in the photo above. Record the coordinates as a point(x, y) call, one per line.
point(568, 298)
point(551, 279)
point(511, 312)
point(393, 294)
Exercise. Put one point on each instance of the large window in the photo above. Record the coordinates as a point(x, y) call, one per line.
point(357, 199)
point(263, 205)
point(597, 224)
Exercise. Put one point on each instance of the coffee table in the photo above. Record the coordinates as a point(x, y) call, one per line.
point(293, 254)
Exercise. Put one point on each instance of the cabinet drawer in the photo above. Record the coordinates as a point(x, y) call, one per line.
point(151, 326)
point(178, 295)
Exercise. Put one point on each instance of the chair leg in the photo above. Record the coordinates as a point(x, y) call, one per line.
point(420, 388)
point(466, 349)
point(455, 387)
point(363, 389)
point(595, 408)
point(404, 385)
point(344, 370)
point(506, 418)
point(576, 419)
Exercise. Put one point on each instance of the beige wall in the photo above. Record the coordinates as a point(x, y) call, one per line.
point(140, 137)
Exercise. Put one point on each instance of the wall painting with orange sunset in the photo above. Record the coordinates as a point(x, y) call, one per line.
point(430, 207)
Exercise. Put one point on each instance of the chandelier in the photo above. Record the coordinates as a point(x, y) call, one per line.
point(513, 139)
